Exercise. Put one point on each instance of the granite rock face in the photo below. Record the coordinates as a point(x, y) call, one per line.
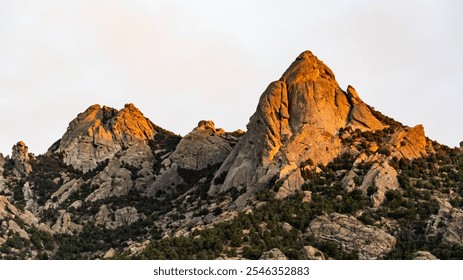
point(312, 253)
point(21, 159)
point(274, 254)
point(409, 142)
point(424, 256)
point(352, 235)
point(297, 119)
point(100, 132)
point(121, 217)
point(202, 147)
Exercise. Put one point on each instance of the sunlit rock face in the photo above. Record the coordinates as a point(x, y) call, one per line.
point(297, 119)
point(100, 132)
point(21, 159)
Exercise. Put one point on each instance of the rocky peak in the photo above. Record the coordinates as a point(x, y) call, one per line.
point(20, 157)
point(297, 119)
point(409, 142)
point(100, 132)
point(209, 127)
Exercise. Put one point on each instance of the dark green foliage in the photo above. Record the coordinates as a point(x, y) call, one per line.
point(221, 178)
point(162, 140)
point(92, 173)
point(94, 238)
point(42, 240)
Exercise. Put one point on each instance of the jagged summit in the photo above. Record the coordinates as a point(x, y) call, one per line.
point(318, 172)
point(100, 132)
point(297, 119)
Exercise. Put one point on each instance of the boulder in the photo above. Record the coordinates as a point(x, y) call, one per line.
point(311, 253)
point(114, 180)
point(274, 254)
point(352, 235)
point(384, 178)
point(65, 225)
point(424, 255)
point(121, 217)
point(409, 142)
point(15, 228)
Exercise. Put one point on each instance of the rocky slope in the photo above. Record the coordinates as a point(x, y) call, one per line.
point(318, 174)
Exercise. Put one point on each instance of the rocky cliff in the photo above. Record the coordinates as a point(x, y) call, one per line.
point(318, 174)
point(297, 121)
point(100, 132)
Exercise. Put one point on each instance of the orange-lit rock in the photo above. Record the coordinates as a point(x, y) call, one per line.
point(297, 119)
point(100, 132)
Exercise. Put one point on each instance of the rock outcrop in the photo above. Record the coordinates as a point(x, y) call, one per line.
point(114, 180)
point(312, 253)
point(382, 177)
point(121, 217)
point(297, 119)
point(424, 256)
point(65, 225)
point(352, 235)
point(447, 224)
point(100, 132)
point(202, 147)
point(2, 179)
point(409, 142)
point(274, 254)
point(20, 157)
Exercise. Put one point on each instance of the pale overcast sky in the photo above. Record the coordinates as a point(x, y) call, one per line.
point(183, 61)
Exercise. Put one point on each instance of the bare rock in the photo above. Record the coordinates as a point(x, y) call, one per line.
point(121, 217)
point(409, 142)
point(297, 119)
point(45, 228)
point(14, 227)
point(163, 183)
point(201, 148)
point(65, 225)
point(384, 178)
point(63, 193)
point(100, 132)
point(307, 197)
point(110, 254)
point(274, 254)
point(136, 248)
point(424, 255)
point(352, 235)
point(31, 200)
point(205, 146)
point(7, 209)
point(28, 218)
point(360, 115)
point(21, 158)
point(312, 253)
point(114, 180)
point(2, 179)
point(447, 224)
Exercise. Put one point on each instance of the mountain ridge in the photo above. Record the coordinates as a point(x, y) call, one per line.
point(318, 174)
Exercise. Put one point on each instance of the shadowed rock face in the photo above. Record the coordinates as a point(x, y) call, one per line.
point(297, 119)
point(100, 132)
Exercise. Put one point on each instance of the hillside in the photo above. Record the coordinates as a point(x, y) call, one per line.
point(318, 174)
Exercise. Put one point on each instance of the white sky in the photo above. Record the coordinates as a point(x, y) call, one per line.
point(183, 61)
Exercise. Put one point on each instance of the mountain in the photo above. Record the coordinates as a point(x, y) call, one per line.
point(318, 174)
